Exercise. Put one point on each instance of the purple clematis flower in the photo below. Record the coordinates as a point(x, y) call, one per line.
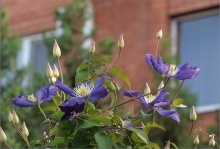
point(72, 107)
point(42, 95)
point(181, 72)
point(79, 94)
point(155, 103)
point(86, 90)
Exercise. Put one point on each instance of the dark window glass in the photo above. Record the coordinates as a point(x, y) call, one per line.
point(39, 56)
point(199, 43)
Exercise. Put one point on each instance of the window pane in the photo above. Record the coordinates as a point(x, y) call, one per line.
point(199, 46)
point(39, 56)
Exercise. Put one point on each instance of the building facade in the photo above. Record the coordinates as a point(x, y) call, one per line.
point(191, 26)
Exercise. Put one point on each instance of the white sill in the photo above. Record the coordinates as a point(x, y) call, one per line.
point(208, 108)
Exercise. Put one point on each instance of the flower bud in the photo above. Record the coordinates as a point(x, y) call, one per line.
point(24, 130)
point(161, 85)
point(92, 48)
point(147, 89)
point(167, 145)
point(3, 137)
point(159, 34)
point(55, 71)
point(121, 43)
point(49, 71)
point(196, 140)
point(193, 115)
point(212, 141)
point(56, 50)
point(53, 80)
point(10, 116)
point(15, 119)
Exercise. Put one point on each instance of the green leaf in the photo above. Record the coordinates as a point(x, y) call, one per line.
point(101, 119)
point(52, 108)
point(177, 102)
point(145, 117)
point(57, 100)
point(106, 59)
point(57, 141)
point(151, 145)
point(88, 124)
point(120, 73)
point(174, 145)
point(103, 141)
point(140, 133)
point(81, 73)
point(54, 130)
point(155, 125)
point(117, 120)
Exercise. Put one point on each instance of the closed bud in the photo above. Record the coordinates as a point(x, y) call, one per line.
point(212, 140)
point(193, 115)
point(53, 80)
point(49, 71)
point(167, 145)
point(196, 140)
point(10, 116)
point(147, 89)
point(3, 137)
point(159, 34)
point(121, 43)
point(56, 50)
point(24, 130)
point(15, 119)
point(161, 85)
point(92, 48)
point(55, 71)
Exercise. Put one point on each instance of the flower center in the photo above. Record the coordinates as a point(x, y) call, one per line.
point(31, 98)
point(173, 70)
point(149, 98)
point(83, 90)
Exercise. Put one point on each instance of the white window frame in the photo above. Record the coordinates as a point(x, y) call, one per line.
point(174, 46)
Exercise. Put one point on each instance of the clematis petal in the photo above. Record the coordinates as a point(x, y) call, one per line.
point(98, 93)
point(99, 82)
point(64, 87)
point(52, 90)
point(132, 93)
point(149, 58)
point(42, 94)
point(187, 73)
point(160, 97)
point(74, 104)
point(144, 103)
point(171, 114)
point(163, 103)
point(22, 101)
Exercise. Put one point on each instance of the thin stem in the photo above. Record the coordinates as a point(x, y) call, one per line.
point(119, 54)
point(59, 65)
point(88, 65)
point(196, 146)
point(178, 89)
point(154, 117)
point(122, 103)
point(158, 41)
point(8, 145)
point(23, 137)
point(42, 111)
point(190, 132)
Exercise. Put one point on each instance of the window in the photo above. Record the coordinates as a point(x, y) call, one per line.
point(199, 44)
point(34, 53)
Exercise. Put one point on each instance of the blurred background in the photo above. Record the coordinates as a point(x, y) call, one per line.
point(191, 30)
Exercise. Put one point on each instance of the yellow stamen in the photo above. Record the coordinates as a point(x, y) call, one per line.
point(83, 90)
point(31, 97)
point(173, 70)
point(149, 98)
